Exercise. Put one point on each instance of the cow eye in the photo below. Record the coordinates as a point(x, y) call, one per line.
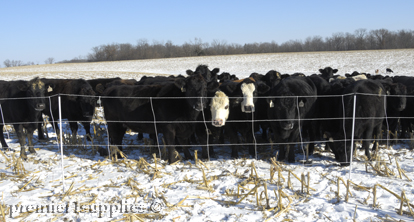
point(226, 107)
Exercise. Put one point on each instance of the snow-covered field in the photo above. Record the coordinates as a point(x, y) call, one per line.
point(222, 189)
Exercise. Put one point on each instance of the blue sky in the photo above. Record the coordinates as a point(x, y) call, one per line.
point(32, 31)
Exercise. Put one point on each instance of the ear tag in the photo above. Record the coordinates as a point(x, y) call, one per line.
point(388, 92)
point(301, 104)
point(99, 101)
point(183, 89)
point(271, 104)
point(331, 139)
point(49, 89)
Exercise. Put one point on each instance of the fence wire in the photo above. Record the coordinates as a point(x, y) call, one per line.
point(253, 121)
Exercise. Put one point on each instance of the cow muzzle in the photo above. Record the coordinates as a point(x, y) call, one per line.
point(198, 107)
point(40, 106)
point(87, 114)
point(288, 126)
point(218, 122)
point(401, 107)
point(248, 109)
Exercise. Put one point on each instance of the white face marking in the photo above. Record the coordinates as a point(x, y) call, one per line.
point(247, 90)
point(219, 108)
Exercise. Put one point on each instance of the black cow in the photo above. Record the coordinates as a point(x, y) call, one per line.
point(226, 76)
point(209, 76)
point(389, 70)
point(243, 95)
point(78, 103)
point(271, 79)
point(154, 80)
point(327, 73)
point(407, 114)
point(99, 85)
point(369, 116)
point(22, 109)
point(396, 103)
point(176, 105)
point(290, 102)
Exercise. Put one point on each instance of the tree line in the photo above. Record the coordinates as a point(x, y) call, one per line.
point(361, 39)
point(13, 63)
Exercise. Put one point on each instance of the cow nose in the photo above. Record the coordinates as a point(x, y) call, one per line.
point(40, 106)
point(218, 122)
point(198, 107)
point(248, 109)
point(288, 126)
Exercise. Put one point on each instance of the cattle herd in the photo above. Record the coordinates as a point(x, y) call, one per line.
point(205, 108)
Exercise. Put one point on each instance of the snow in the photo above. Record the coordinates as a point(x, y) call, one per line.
point(136, 188)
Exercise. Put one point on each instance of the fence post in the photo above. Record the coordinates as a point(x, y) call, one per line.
point(352, 137)
point(155, 128)
point(61, 141)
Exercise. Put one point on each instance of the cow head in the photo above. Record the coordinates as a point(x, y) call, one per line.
point(195, 89)
point(285, 109)
point(340, 149)
point(36, 89)
point(87, 101)
point(272, 78)
point(396, 95)
point(328, 72)
point(245, 93)
point(209, 76)
point(219, 107)
point(247, 105)
point(85, 98)
point(288, 102)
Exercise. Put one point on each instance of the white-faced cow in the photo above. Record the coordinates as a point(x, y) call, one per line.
point(243, 95)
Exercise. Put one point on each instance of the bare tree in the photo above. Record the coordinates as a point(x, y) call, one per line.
point(7, 63)
point(50, 60)
point(404, 39)
point(380, 36)
point(360, 39)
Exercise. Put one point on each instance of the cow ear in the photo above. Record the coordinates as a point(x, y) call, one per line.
point(215, 71)
point(189, 72)
point(180, 83)
point(262, 88)
point(321, 70)
point(335, 70)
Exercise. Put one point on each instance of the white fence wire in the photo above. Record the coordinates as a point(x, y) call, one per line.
point(301, 141)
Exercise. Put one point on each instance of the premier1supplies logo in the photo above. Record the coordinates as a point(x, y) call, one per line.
point(99, 210)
